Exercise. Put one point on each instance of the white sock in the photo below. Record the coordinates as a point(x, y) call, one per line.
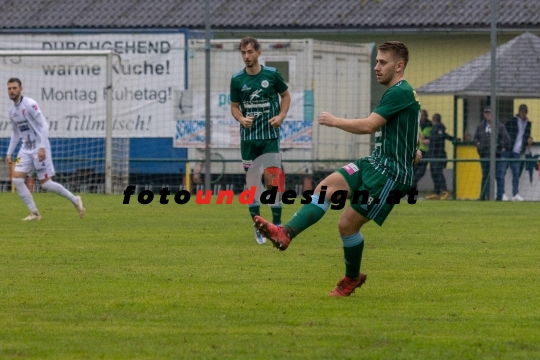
point(60, 190)
point(25, 195)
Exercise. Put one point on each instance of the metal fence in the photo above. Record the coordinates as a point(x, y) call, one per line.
point(332, 72)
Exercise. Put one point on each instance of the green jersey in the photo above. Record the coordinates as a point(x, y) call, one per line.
point(258, 96)
point(396, 141)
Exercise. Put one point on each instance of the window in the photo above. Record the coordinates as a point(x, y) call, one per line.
point(282, 67)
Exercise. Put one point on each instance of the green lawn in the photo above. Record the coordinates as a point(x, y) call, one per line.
point(446, 280)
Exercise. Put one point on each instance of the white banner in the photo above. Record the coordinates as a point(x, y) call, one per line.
point(295, 132)
point(71, 90)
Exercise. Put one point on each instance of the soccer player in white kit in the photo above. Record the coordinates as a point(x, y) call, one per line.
point(30, 126)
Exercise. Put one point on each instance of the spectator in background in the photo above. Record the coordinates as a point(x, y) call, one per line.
point(437, 151)
point(529, 166)
point(424, 132)
point(482, 138)
point(519, 130)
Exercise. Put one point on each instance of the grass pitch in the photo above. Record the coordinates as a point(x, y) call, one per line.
point(446, 280)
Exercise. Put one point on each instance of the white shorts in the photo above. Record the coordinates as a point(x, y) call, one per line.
point(26, 163)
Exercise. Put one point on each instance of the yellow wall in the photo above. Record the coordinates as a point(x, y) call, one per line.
point(438, 55)
point(433, 55)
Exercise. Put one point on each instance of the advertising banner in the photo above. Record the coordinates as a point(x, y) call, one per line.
point(147, 70)
point(295, 131)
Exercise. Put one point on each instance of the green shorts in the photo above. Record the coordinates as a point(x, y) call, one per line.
point(362, 177)
point(252, 149)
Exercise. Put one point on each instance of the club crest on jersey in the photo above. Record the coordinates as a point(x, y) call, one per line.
point(23, 111)
point(264, 84)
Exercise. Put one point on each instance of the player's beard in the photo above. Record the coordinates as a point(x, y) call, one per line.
point(385, 79)
point(252, 63)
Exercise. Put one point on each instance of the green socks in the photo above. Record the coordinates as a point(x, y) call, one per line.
point(254, 209)
point(276, 214)
point(308, 215)
point(353, 246)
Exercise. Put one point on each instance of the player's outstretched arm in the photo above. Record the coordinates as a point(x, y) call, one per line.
point(356, 126)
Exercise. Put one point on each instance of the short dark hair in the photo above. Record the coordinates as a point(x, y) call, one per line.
point(12, 80)
point(437, 117)
point(397, 48)
point(249, 40)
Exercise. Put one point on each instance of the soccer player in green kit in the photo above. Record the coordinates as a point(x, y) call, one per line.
point(255, 105)
point(387, 173)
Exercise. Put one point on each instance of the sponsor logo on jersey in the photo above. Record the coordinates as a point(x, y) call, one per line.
point(245, 88)
point(257, 105)
point(29, 144)
point(264, 84)
point(351, 168)
point(23, 126)
point(255, 95)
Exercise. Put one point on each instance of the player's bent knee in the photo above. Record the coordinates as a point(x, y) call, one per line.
point(346, 226)
point(350, 222)
point(41, 182)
